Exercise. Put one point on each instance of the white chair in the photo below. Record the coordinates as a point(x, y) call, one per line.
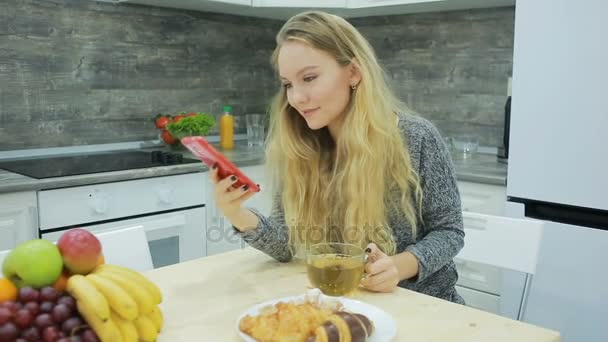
point(3, 255)
point(127, 247)
point(503, 242)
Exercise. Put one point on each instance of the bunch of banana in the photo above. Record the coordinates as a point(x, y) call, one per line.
point(120, 304)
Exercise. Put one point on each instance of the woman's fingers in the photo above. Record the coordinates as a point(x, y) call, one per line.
point(378, 266)
point(213, 175)
point(372, 281)
point(381, 270)
point(245, 197)
point(373, 254)
point(225, 184)
point(236, 194)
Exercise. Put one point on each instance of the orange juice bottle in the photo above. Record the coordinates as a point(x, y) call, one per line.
point(227, 129)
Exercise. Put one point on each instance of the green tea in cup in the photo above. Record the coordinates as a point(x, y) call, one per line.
point(335, 268)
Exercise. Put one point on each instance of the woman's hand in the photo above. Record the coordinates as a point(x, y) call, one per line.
point(382, 272)
point(228, 198)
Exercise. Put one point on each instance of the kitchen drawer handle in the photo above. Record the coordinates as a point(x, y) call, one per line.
point(469, 272)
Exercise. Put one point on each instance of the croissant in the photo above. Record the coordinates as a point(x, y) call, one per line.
point(343, 327)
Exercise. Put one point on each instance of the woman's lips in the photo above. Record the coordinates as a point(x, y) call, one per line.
point(309, 112)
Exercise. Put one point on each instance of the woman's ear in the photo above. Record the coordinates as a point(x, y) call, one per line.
point(355, 72)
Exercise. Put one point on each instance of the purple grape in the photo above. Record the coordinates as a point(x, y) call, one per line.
point(11, 306)
point(61, 312)
point(75, 338)
point(28, 294)
point(71, 325)
point(69, 301)
point(46, 307)
point(31, 334)
point(89, 336)
point(32, 307)
point(23, 318)
point(64, 339)
point(20, 339)
point(48, 294)
point(44, 320)
point(5, 315)
point(50, 334)
point(8, 332)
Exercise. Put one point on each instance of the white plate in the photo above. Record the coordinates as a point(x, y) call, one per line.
point(385, 328)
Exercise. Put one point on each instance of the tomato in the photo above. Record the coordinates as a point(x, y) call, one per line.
point(162, 121)
point(192, 114)
point(167, 137)
point(178, 117)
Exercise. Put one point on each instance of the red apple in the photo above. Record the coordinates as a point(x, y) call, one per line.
point(80, 250)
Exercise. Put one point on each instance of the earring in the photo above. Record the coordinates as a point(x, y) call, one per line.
point(353, 86)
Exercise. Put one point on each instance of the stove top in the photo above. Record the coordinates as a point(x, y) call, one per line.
point(61, 166)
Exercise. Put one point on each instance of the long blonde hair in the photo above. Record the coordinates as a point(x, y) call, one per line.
point(341, 190)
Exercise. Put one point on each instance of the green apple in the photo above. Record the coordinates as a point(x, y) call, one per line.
point(35, 263)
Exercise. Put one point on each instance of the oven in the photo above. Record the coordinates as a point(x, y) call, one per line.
point(170, 208)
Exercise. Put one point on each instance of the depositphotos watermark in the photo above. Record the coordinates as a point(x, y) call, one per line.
point(224, 231)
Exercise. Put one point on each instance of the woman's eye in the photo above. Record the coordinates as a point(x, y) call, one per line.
point(286, 85)
point(309, 78)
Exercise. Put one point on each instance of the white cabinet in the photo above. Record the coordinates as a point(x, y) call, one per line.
point(483, 198)
point(301, 3)
point(284, 9)
point(235, 2)
point(220, 234)
point(378, 3)
point(480, 300)
point(18, 218)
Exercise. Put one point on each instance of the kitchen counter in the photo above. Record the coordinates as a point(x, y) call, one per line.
point(482, 168)
point(203, 298)
point(12, 182)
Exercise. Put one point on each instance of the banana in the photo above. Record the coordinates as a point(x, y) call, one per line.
point(146, 329)
point(87, 294)
point(145, 303)
point(157, 317)
point(127, 328)
point(107, 331)
point(138, 278)
point(119, 299)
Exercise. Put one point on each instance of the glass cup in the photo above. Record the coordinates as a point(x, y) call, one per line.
point(335, 268)
point(255, 129)
point(465, 145)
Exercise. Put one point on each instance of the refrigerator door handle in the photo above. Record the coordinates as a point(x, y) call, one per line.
point(562, 213)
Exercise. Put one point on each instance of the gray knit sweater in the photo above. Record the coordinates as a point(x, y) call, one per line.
point(440, 236)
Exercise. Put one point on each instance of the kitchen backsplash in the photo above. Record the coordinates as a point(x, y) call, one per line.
point(76, 72)
point(451, 67)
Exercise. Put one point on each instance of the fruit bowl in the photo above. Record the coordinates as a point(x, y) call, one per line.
point(55, 292)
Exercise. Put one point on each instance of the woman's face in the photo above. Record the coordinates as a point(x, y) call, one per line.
point(316, 85)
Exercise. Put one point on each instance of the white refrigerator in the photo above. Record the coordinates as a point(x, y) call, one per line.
point(558, 160)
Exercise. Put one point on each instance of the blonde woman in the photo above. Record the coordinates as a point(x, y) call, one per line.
point(351, 165)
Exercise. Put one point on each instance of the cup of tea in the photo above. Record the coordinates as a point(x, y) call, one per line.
point(335, 268)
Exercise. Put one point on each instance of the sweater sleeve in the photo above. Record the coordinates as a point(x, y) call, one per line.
point(271, 235)
point(441, 236)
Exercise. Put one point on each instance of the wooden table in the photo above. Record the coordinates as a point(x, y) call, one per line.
point(204, 297)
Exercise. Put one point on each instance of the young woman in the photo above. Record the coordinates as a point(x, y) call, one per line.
point(352, 165)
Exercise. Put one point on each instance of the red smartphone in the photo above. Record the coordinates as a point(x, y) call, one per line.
point(201, 148)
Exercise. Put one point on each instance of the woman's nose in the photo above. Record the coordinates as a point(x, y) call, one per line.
point(298, 96)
